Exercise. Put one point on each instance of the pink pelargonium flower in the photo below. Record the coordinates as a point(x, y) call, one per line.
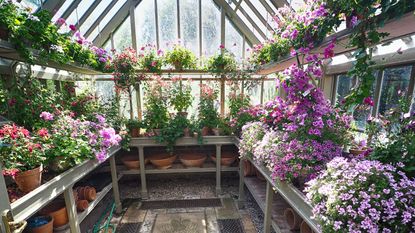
point(221, 46)
point(72, 27)
point(61, 21)
point(153, 63)
point(47, 116)
point(368, 101)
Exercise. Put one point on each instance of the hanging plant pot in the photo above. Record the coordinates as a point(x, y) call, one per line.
point(205, 131)
point(29, 180)
point(162, 161)
point(40, 224)
point(293, 219)
point(57, 211)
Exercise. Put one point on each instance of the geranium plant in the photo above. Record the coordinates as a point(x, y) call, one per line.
point(124, 65)
point(362, 196)
point(156, 111)
point(181, 94)
point(180, 58)
point(150, 58)
point(222, 62)
point(208, 115)
point(20, 151)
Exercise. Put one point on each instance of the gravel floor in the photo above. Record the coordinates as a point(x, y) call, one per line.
point(190, 186)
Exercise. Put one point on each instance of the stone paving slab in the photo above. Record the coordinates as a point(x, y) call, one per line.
point(180, 223)
point(212, 224)
point(228, 211)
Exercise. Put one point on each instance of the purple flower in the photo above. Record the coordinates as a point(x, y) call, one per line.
point(294, 34)
point(47, 116)
point(354, 21)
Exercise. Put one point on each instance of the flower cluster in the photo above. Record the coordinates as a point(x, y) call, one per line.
point(124, 68)
point(252, 133)
point(150, 58)
point(20, 151)
point(245, 115)
point(363, 196)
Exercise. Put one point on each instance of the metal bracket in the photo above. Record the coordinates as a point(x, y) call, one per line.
point(10, 225)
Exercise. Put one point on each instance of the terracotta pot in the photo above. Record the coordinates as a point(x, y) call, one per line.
point(226, 158)
point(193, 159)
point(304, 228)
point(217, 131)
point(90, 193)
point(293, 219)
point(162, 161)
point(178, 66)
point(157, 132)
point(29, 180)
point(358, 152)
point(205, 131)
point(131, 162)
point(57, 210)
point(186, 132)
point(46, 228)
point(135, 132)
point(82, 205)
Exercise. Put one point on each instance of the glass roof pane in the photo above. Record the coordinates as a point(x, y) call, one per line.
point(258, 5)
point(167, 16)
point(297, 4)
point(271, 5)
point(62, 9)
point(33, 4)
point(189, 23)
point(122, 36)
point(145, 23)
point(111, 13)
point(94, 15)
point(94, 34)
point(210, 28)
point(234, 40)
point(80, 10)
point(254, 18)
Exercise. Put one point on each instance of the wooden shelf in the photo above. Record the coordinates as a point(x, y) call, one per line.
point(257, 188)
point(29, 204)
point(180, 168)
point(8, 51)
point(292, 196)
point(397, 28)
point(184, 141)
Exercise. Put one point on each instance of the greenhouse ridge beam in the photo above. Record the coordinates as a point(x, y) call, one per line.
point(115, 22)
point(251, 21)
point(238, 22)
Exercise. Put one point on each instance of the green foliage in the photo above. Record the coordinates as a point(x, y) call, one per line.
point(156, 112)
point(173, 131)
point(133, 123)
point(180, 58)
point(208, 116)
point(238, 102)
point(181, 95)
point(150, 59)
point(222, 63)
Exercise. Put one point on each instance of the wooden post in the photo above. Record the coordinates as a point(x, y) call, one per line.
point(115, 188)
point(218, 169)
point(71, 209)
point(268, 208)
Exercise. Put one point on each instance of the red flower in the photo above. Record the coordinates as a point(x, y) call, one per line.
point(43, 132)
point(72, 27)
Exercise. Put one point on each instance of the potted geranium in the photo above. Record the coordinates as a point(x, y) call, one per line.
point(150, 59)
point(22, 156)
point(124, 68)
point(134, 126)
point(208, 115)
point(181, 95)
point(222, 62)
point(156, 113)
point(181, 58)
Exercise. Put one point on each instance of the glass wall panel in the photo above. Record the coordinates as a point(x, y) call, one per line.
point(211, 28)
point(122, 36)
point(189, 24)
point(270, 90)
point(145, 23)
point(167, 16)
point(233, 40)
point(395, 83)
point(94, 15)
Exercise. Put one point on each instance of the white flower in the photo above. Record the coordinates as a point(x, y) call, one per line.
point(57, 48)
point(33, 18)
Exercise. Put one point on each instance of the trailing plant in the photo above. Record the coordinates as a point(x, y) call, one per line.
point(150, 59)
point(181, 94)
point(180, 58)
point(222, 63)
point(362, 196)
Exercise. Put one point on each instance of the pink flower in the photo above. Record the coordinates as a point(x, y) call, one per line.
point(61, 21)
point(153, 63)
point(368, 101)
point(47, 116)
point(221, 46)
point(72, 27)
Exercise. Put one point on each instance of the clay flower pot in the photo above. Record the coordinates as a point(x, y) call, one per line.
point(57, 210)
point(193, 159)
point(162, 161)
point(293, 219)
point(82, 205)
point(358, 152)
point(40, 224)
point(186, 132)
point(217, 131)
point(226, 158)
point(205, 131)
point(29, 180)
point(135, 132)
point(131, 162)
point(90, 193)
point(304, 228)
